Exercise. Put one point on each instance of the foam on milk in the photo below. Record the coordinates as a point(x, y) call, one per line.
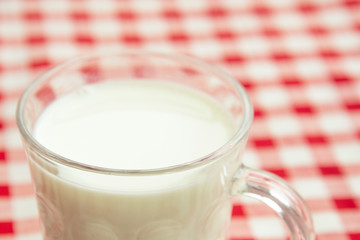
point(134, 125)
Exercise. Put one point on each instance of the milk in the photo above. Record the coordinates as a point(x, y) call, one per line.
point(134, 125)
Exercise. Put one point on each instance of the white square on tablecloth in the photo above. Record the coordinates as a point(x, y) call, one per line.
point(347, 152)
point(236, 4)
point(244, 23)
point(61, 51)
point(55, 6)
point(334, 18)
point(8, 109)
point(11, 7)
point(279, 4)
point(206, 48)
point(354, 184)
point(146, 6)
point(19, 173)
point(327, 222)
point(322, 94)
point(15, 81)
point(108, 27)
point(262, 70)
point(251, 159)
point(190, 6)
point(350, 64)
point(300, 43)
point(253, 46)
point(12, 29)
point(311, 68)
point(152, 27)
point(284, 125)
point(12, 138)
point(197, 25)
point(289, 21)
point(345, 41)
point(267, 227)
point(24, 207)
point(159, 46)
point(101, 7)
point(271, 97)
point(14, 55)
point(335, 122)
point(59, 27)
point(311, 188)
point(296, 156)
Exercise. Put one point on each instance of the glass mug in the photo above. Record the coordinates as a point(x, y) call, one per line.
point(187, 201)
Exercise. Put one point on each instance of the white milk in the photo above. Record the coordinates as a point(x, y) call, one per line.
point(133, 125)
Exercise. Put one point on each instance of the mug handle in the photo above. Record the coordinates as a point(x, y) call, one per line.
point(278, 195)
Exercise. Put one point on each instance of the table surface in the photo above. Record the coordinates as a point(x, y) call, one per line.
point(299, 61)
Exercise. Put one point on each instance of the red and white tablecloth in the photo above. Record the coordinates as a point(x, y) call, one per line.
point(299, 61)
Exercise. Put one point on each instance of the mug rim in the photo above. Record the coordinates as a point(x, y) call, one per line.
point(56, 158)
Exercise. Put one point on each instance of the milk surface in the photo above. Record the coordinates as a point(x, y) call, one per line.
point(134, 125)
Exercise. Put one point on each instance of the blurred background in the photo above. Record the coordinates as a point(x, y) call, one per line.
point(299, 61)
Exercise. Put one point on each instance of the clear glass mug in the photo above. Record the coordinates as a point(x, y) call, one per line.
point(196, 201)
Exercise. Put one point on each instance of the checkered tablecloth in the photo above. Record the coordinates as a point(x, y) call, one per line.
point(299, 61)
